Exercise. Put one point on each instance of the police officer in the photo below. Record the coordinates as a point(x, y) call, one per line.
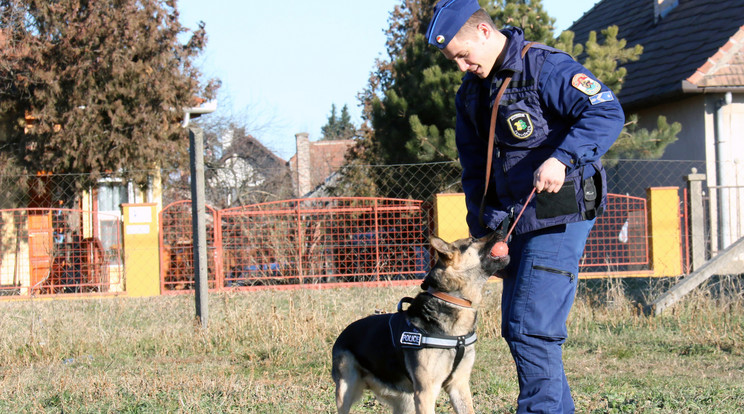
point(529, 116)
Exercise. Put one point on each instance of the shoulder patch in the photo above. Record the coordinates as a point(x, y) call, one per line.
point(602, 97)
point(520, 125)
point(585, 84)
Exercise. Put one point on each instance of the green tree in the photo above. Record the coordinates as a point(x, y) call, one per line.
point(410, 99)
point(338, 127)
point(409, 108)
point(105, 82)
point(639, 143)
point(603, 60)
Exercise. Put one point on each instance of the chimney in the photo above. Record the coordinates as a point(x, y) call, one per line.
point(662, 8)
point(303, 164)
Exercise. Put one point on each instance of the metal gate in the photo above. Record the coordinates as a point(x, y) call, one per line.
point(324, 240)
point(329, 241)
point(619, 240)
point(58, 251)
point(177, 248)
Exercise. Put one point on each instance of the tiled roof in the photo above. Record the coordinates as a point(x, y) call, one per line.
point(725, 68)
point(259, 151)
point(674, 48)
point(326, 158)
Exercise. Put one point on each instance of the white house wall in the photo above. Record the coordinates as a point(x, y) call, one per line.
point(733, 168)
point(697, 142)
point(690, 112)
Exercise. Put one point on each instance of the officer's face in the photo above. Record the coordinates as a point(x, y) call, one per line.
point(471, 52)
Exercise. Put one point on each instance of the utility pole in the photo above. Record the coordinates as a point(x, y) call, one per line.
point(198, 210)
point(199, 223)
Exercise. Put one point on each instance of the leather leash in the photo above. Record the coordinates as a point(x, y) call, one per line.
point(514, 224)
point(492, 133)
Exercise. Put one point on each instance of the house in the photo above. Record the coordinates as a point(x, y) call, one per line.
point(692, 72)
point(316, 161)
point(246, 172)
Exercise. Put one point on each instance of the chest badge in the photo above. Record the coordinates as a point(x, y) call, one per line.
point(520, 125)
point(585, 84)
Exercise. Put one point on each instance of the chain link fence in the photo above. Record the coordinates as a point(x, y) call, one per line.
point(97, 208)
point(406, 181)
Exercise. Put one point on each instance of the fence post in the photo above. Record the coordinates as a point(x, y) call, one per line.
point(697, 217)
point(141, 249)
point(199, 222)
point(450, 212)
point(300, 243)
point(377, 241)
point(664, 224)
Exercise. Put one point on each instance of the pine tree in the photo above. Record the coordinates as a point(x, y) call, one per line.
point(410, 99)
point(95, 87)
point(409, 108)
point(603, 59)
point(639, 143)
point(338, 127)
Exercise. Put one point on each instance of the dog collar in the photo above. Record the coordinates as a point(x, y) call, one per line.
point(449, 298)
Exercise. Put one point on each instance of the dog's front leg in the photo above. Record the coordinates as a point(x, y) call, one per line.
point(429, 368)
point(425, 398)
point(458, 387)
point(460, 396)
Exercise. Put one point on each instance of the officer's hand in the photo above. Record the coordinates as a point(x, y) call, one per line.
point(550, 176)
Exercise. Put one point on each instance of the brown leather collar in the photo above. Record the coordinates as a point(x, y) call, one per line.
point(449, 298)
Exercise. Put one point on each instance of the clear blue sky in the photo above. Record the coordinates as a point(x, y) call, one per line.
point(283, 63)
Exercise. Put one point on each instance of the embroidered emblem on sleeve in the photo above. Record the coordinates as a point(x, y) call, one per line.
point(520, 125)
point(585, 84)
point(602, 97)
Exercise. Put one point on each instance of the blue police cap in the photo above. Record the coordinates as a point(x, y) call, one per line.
point(449, 16)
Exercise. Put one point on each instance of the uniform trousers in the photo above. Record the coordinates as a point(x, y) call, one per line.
point(539, 290)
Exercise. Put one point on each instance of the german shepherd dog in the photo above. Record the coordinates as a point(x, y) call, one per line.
point(406, 358)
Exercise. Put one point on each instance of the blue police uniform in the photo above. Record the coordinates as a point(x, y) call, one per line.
point(552, 107)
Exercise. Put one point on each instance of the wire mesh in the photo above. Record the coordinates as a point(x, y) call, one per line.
point(50, 251)
point(324, 240)
point(334, 237)
point(177, 247)
point(619, 239)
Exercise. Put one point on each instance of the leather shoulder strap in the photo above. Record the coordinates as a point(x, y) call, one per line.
point(491, 133)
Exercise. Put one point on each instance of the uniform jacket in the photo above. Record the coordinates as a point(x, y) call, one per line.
point(553, 107)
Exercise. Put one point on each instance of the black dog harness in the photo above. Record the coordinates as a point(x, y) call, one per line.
point(405, 335)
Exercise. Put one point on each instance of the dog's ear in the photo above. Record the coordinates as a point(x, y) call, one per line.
point(445, 250)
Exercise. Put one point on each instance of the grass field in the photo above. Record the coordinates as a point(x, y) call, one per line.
point(269, 352)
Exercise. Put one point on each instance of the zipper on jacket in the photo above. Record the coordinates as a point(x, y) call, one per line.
point(556, 271)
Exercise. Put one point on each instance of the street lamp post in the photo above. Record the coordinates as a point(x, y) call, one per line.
point(198, 208)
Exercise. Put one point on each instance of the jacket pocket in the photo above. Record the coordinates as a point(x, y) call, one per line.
point(551, 297)
point(549, 205)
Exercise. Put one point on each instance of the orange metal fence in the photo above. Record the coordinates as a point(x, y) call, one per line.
point(324, 240)
point(291, 243)
point(299, 242)
point(307, 242)
point(176, 247)
point(619, 239)
point(52, 251)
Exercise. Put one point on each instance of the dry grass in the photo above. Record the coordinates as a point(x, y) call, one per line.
point(269, 352)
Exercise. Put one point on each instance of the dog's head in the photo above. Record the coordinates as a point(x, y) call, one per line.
point(464, 265)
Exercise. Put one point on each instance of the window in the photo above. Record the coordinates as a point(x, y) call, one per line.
point(111, 195)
